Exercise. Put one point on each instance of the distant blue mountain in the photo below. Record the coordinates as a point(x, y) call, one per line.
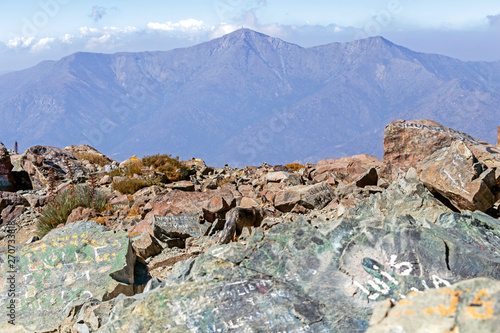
point(245, 98)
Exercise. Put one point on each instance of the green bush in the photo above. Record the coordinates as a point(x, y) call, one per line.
point(57, 211)
point(131, 185)
point(115, 173)
point(166, 164)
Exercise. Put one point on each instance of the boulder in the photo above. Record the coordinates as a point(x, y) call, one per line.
point(12, 205)
point(80, 214)
point(182, 185)
point(325, 279)
point(454, 173)
point(369, 178)
point(38, 160)
point(79, 261)
point(218, 206)
point(179, 226)
point(7, 182)
point(347, 169)
point(467, 306)
point(146, 246)
point(177, 202)
point(402, 197)
point(93, 160)
point(407, 143)
point(277, 176)
point(120, 201)
point(249, 202)
point(309, 196)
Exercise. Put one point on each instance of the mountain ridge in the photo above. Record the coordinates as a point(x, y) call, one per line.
point(227, 92)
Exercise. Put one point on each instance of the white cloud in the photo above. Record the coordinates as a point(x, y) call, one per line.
point(42, 44)
point(190, 26)
point(67, 39)
point(20, 42)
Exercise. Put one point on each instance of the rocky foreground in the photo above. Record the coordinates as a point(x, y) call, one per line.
point(407, 244)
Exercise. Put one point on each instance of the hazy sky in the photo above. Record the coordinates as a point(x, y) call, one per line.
point(36, 30)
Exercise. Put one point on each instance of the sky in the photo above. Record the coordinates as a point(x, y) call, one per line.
point(35, 30)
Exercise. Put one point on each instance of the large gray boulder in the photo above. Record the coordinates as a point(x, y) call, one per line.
point(402, 197)
point(299, 278)
point(79, 261)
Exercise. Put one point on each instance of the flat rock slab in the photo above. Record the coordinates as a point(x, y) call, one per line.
point(211, 307)
point(82, 260)
point(179, 226)
point(468, 306)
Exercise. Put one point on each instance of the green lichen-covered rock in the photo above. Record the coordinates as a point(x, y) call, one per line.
point(81, 260)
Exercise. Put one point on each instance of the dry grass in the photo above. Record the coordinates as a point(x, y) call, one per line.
point(166, 164)
point(130, 185)
point(294, 166)
point(93, 158)
point(57, 211)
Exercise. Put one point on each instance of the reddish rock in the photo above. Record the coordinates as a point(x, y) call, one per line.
point(10, 213)
point(146, 246)
point(217, 205)
point(183, 185)
point(120, 200)
point(369, 178)
point(80, 214)
point(406, 143)
point(309, 196)
point(346, 169)
point(454, 173)
point(249, 202)
point(177, 202)
point(141, 227)
point(6, 177)
point(12, 205)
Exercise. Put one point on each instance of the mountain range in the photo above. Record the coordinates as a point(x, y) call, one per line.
point(246, 98)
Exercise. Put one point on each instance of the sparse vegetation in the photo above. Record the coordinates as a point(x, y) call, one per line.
point(294, 166)
point(227, 180)
point(93, 158)
point(130, 185)
point(57, 211)
point(134, 168)
point(115, 173)
point(167, 165)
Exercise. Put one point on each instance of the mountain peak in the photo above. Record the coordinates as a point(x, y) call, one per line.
point(246, 33)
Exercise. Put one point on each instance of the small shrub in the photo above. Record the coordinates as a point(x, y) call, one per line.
point(115, 173)
point(57, 211)
point(131, 185)
point(166, 164)
point(294, 166)
point(227, 180)
point(93, 158)
point(134, 168)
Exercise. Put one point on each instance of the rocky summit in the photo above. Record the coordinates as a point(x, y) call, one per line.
point(409, 243)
